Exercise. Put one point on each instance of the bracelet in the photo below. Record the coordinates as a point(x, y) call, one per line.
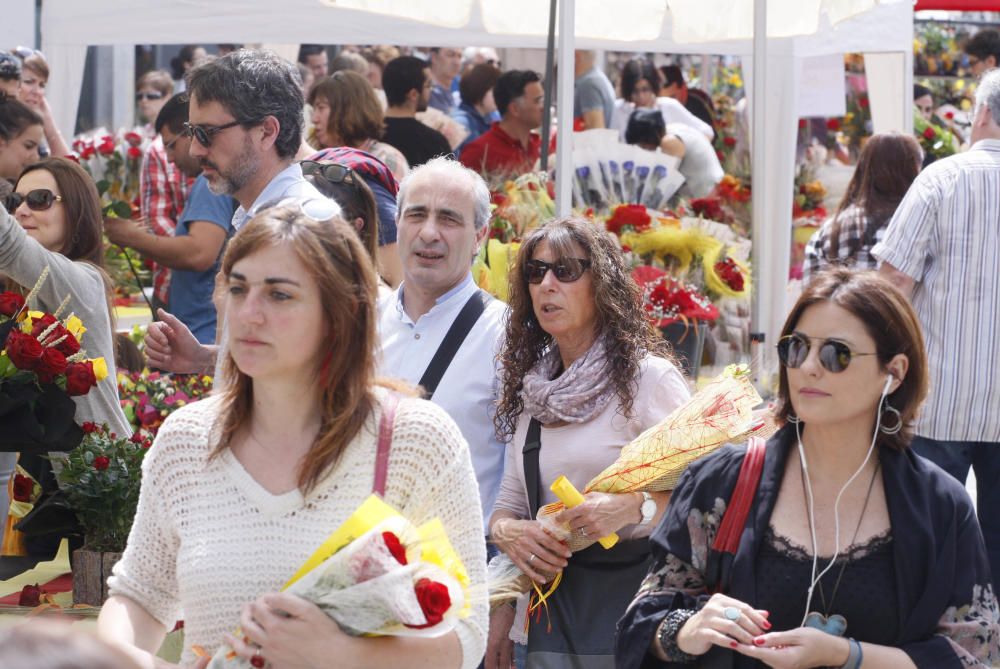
point(666, 636)
point(854, 655)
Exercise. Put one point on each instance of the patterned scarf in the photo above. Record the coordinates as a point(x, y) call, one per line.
point(575, 396)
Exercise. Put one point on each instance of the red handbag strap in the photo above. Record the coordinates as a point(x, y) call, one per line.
point(384, 443)
point(735, 517)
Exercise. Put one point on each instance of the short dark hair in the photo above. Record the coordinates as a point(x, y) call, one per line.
point(672, 74)
point(510, 86)
point(402, 75)
point(920, 91)
point(10, 67)
point(15, 116)
point(474, 86)
point(173, 114)
point(185, 55)
point(645, 126)
point(636, 70)
point(307, 50)
point(984, 43)
point(253, 84)
point(890, 321)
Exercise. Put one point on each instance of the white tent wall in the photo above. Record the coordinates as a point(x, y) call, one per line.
point(68, 26)
point(18, 25)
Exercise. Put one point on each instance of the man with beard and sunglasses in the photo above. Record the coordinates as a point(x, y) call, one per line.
point(193, 252)
point(245, 125)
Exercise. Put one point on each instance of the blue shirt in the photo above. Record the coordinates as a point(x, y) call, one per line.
point(191, 291)
point(473, 121)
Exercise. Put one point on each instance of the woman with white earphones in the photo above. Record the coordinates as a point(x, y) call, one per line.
point(855, 552)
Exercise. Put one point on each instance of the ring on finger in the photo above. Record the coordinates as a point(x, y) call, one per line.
point(731, 613)
point(532, 558)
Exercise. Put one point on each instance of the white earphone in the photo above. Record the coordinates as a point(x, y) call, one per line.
point(888, 385)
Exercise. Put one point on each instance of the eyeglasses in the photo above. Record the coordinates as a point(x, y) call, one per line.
point(834, 355)
point(167, 146)
point(152, 95)
point(566, 270)
point(39, 199)
point(205, 133)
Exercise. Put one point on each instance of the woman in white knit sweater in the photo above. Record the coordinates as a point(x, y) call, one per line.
point(239, 489)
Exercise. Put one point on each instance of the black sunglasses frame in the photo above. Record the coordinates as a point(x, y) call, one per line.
point(535, 270)
point(38, 199)
point(204, 134)
point(834, 355)
point(155, 95)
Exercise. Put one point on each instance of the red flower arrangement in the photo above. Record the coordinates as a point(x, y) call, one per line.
point(666, 299)
point(628, 217)
point(708, 207)
point(730, 273)
point(434, 600)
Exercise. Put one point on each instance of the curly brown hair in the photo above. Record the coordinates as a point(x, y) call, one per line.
point(620, 317)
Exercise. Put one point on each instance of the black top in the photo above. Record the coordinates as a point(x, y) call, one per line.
point(865, 597)
point(417, 142)
point(700, 107)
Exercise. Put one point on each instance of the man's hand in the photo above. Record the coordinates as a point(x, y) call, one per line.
point(122, 231)
point(170, 346)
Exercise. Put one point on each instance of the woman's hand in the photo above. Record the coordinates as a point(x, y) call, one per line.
point(801, 648)
point(535, 552)
point(601, 514)
point(499, 647)
point(288, 632)
point(712, 627)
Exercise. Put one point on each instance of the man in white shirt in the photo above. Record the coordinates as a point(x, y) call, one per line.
point(245, 121)
point(442, 216)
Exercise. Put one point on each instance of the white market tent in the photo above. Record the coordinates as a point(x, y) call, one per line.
point(798, 31)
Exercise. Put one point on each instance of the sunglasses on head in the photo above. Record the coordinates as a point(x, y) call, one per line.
point(332, 172)
point(566, 270)
point(39, 199)
point(205, 133)
point(152, 95)
point(834, 355)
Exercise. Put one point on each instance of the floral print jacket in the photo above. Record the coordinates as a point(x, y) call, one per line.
point(948, 613)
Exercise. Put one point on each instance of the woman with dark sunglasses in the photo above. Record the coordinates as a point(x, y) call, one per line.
point(584, 373)
point(855, 551)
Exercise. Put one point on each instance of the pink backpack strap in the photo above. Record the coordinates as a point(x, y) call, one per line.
point(384, 443)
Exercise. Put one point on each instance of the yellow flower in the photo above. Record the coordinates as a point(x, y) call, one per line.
point(735, 80)
point(100, 368)
point(848, 117)
point(959, 84)
point(75, 326)
point(966, 104)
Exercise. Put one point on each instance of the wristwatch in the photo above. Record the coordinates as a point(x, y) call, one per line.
point(647, 509)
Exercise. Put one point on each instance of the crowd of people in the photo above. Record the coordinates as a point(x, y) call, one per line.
point(322, 275)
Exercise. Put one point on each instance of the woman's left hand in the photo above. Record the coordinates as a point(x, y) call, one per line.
point(288, 632)
point(601, 514)
point(800, 648)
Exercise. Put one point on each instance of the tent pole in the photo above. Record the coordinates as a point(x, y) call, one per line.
point(758, 320)
point(550, 55)
point(564, 125)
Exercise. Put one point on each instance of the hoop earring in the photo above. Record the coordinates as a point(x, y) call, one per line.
point(793, 419)
point(885, 429)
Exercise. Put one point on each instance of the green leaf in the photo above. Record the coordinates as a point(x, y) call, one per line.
point(122, 209)
point(102, 186)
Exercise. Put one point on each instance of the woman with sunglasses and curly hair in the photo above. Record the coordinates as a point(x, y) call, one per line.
point(584, 373)
point(855, 552)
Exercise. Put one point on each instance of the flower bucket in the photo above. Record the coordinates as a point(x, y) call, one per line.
point(91, 570)
point(687, 342)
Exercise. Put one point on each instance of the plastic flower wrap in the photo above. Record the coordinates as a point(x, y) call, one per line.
point(718, 414)
point(380, 575)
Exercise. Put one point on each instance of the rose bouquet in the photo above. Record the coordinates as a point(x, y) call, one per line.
point(379, 574)
point(147, 398)
point(42, 367)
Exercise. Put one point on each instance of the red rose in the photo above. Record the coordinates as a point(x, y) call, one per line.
point(31, 595)
point(106, 147)
point(802, 123)
point(949, 115)
point(101, 462)
point(730, 273)
point(134, 152)
point(729, 141)
point(833, 124)
point(136, 438)
point(863, 103)
point(435, 600)
point(24, 350)
point(10, 303)
point(53, 364)
point(87, 153)
point(80, 378)
point(40, 325)
point(89, 427)
point(634, 216)
point(395, 547)
point(133, 138)
point(68, 346)
point(929, 133)
point(23, 487)
point(72, 156)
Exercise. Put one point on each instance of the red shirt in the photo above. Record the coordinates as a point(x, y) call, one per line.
point(496, 152)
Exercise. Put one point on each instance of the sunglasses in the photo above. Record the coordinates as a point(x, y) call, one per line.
point(23, 52)
point(39, 199)
point(834, 355)
point(205, 133)
point(332, 172)
point(566, 270)
point(153, 95)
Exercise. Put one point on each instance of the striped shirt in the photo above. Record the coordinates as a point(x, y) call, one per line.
point(946, 237)
point(853, 246)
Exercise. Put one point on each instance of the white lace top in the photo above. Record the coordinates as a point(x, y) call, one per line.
point(208, 538)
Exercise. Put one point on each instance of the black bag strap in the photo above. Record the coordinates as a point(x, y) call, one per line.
point(532, 474)
point(459, 330)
